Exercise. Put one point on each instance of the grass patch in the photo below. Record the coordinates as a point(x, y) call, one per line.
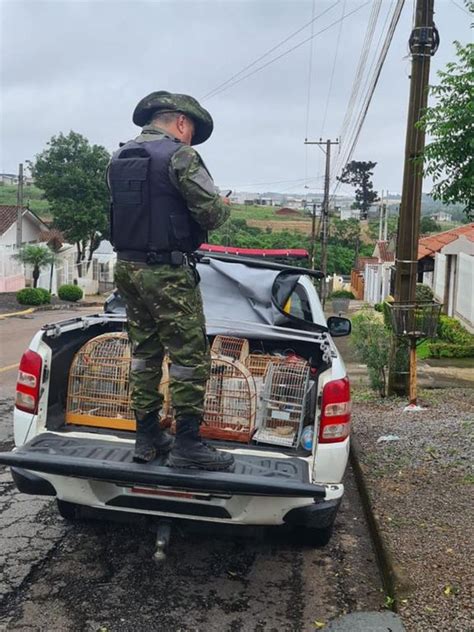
point(32, 197)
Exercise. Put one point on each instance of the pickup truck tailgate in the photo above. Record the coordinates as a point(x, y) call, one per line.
point(98, 459)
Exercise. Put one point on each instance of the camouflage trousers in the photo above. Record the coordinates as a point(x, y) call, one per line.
point(165, 313)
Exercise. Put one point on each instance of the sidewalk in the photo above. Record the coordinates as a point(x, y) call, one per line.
point(416, 470)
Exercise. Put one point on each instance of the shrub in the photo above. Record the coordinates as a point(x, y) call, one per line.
point(29, 296)
point(342, 294)
point(371, 341)
point(423, 293)
point(45, 295)
point(70, 293)
point(450, 350)
point(378, 307)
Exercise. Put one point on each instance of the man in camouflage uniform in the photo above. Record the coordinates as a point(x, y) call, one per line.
point(159, 180)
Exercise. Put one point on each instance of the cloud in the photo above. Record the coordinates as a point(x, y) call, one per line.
point(83, 65)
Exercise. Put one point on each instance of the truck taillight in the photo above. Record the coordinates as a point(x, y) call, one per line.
point(335, 411)
point(28, 383)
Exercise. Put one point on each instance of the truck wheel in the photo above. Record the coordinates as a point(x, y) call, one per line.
point(68, 511)
point(311, 536)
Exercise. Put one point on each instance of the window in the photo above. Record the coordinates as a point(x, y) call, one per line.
point(298, 305)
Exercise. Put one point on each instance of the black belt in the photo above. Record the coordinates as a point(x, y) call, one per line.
point(175, 258)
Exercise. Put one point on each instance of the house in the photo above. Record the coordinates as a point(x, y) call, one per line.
point(442, 216)
point(446, 264)
point(32, 226)
point(349, 213)
point(12, 277)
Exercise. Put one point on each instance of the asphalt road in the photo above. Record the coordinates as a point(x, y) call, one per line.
point(94, 575)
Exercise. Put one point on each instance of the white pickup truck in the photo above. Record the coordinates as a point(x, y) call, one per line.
point(295, 480)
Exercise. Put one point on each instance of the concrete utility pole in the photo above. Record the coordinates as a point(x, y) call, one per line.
point(325, 209)
point(19, 202)
point(423, 44)
point(313, 235)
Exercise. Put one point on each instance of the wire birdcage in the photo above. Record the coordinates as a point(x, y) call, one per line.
point(230, 402)
point(283, 405)
point(415, 320)
point(99, 384)
point(236, 348)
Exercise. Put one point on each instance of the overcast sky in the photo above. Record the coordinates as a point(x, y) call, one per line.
point(83, 65)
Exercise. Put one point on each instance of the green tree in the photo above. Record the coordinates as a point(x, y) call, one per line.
point(36, 256)
point(71, 173)
point(358, 174)
point(428, 225)
point(448, 158)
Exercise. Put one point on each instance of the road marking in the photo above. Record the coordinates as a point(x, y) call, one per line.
point(10, 367)
point(22, 313)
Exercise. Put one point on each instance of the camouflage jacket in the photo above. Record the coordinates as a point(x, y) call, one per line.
point(190, 176)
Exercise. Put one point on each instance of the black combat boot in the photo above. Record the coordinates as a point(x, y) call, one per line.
point(190, 450)
point(150, 438)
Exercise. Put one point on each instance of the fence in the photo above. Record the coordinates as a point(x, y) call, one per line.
point(377, 283)
point(12, 277)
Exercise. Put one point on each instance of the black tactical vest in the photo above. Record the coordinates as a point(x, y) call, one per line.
point(148, 214)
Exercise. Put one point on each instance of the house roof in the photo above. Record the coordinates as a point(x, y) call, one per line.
point(382, 251)
point(8, 216)
point(428, 246)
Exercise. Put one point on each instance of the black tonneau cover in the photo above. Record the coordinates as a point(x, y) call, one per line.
point(100, 459)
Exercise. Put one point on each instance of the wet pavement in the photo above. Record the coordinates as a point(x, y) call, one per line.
point(99, 576)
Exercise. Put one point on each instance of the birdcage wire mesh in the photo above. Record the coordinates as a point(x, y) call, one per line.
point(415, 320)
point(99, 384)
point(283, 403)
point(230, 402)
point(236, 348)
point(257, 363)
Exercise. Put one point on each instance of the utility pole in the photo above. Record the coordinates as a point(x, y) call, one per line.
point(19, 202)
point(381, 216)
point(324, 210)
point(313, 235)
point(423, 44)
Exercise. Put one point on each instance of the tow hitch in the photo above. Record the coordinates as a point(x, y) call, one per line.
point(163, 534)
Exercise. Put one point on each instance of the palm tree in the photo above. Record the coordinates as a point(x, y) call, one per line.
point(36, 256)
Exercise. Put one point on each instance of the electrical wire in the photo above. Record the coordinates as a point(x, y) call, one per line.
point(273, 49)
point(289, 50)
point(373, 84)
point(308, 93)
point(333, 69)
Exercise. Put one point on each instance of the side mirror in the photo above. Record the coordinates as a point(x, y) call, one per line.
point(339, 326)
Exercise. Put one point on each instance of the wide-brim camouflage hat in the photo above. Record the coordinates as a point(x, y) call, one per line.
point(163, 101)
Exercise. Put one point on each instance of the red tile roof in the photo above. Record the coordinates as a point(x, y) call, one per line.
point(7, 217)
point(382, 251)
point(361, 261)
point(428, 246)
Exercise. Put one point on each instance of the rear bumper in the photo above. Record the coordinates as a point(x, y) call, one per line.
point(270, 511)
point(264, 489)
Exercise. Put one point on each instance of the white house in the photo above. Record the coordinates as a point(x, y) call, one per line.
point(442, 216)
point(12, 277)
point(451, 273)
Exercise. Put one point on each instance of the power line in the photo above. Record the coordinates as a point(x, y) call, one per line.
point(290, 50)
point(331, 79)
point(461, 8)
point(373, 83)
point(271, 50)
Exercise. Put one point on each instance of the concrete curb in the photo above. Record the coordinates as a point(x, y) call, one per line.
point(51, 308)
point(395, 585)
point(21, 313)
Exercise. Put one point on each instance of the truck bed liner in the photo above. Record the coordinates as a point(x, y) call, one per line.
point(100, 459)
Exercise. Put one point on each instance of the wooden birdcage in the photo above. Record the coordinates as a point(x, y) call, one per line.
point(283, 403)
point(236, 348)
point(230, 402)
point(99, 384)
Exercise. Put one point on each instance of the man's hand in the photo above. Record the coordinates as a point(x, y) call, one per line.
point(226, 200)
